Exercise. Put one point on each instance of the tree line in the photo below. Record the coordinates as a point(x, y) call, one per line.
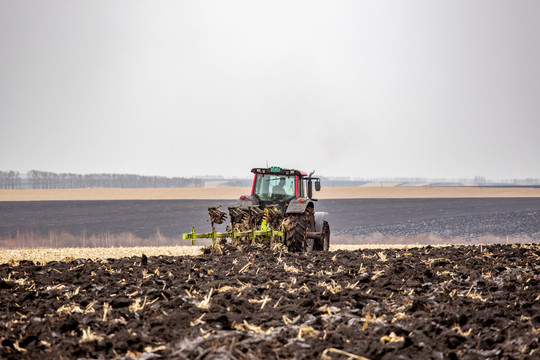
point(10, 180)
point(36, 179)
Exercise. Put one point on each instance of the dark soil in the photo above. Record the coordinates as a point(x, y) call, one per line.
point(427, 303)
point(161, 222)
point(466, 218)
point(523, 223)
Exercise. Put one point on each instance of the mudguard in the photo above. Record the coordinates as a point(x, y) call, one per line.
point(298, 206)
point(319, 220)
point(245, 201)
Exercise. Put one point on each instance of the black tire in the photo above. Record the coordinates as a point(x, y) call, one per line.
point(296, 234)
point(318, 244)
point(326, 237)
point(323, 243)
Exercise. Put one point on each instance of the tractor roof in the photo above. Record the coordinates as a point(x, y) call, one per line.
point(277, 171)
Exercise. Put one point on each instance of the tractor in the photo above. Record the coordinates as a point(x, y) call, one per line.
point(279, 210)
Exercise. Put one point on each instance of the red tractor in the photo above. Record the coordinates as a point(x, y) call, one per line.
point(280, 208)
point(291, 192)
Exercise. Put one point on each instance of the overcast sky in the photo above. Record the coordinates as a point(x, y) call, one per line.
point(347, 88)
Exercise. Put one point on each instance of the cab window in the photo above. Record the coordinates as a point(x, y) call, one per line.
point(270, 187)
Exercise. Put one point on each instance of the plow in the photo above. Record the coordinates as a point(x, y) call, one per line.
point(280, 211)
point(247, 226)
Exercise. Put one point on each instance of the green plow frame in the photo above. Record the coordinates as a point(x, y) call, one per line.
point(250, 234)
point(262, 231)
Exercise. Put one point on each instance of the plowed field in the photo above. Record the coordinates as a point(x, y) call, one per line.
point(161, 222)
point(442, 303)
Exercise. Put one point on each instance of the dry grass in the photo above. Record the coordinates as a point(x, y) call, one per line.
point(123, 194)
point(43, 256)
point(363, 192)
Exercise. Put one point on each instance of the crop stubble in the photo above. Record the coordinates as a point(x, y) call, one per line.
point(44, 255)
point(467, 302)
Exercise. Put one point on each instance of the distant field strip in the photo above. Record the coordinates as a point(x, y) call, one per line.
point(363, 192)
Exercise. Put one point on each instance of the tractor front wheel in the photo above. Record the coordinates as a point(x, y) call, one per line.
point(326, 237)
point(323, 243)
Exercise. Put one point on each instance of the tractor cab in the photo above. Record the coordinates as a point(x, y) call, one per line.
point(277, 186)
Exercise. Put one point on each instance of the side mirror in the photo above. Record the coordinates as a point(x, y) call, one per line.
point(317, 185)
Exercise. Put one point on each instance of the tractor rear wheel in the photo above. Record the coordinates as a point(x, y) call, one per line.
point(296, 234)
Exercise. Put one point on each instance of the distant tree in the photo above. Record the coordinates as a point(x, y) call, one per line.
point(10, 180)
point(479, 179)
point(49, 180)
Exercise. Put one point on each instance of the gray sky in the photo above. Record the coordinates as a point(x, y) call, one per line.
point(348, 88)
